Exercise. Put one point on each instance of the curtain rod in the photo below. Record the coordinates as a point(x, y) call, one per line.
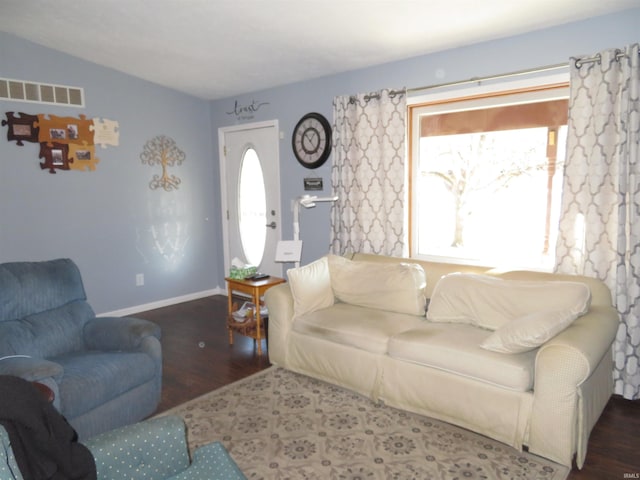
point(578, 62)
point(375, 95)
point(352, 98)
point(598, 58)
point(490, 77)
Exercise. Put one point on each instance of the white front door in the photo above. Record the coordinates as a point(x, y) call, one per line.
point(250, 186)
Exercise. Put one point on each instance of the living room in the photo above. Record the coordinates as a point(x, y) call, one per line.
point(103, 219)
point(138, 252)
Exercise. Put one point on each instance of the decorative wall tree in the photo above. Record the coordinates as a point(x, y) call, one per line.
point(162, 150)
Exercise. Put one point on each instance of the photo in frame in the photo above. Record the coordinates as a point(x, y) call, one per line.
point(82, 157)
point(22, 128)
point(55, 155)
point(64, 129)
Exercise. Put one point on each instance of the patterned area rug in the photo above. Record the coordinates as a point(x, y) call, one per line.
point(278, 424)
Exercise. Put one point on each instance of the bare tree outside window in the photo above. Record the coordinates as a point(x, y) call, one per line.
point(476, 165)
point(486, 178)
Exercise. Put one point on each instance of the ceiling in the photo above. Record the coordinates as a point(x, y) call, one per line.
point(220, 48)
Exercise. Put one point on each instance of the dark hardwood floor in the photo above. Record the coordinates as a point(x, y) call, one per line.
point(197, 358)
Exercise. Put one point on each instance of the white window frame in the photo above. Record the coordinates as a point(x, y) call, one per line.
point(459, 93)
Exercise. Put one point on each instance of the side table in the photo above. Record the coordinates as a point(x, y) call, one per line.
point(253, 328)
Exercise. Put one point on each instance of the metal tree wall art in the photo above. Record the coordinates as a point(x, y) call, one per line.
point(162, 150)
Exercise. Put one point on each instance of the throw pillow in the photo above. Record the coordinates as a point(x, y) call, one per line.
point(528, 332)
point(311, 287)
point(389, 286)
point(491, 302)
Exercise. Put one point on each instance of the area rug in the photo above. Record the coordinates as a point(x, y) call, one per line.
point(277, 424)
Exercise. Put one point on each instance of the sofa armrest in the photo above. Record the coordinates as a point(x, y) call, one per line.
point(30, 368)
point(211, 461)
point(563, 365)
point(118, 333)
point(590, 336)
point(155, 448)
point(279, 301)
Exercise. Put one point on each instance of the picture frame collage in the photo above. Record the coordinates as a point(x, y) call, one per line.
point(66, 143)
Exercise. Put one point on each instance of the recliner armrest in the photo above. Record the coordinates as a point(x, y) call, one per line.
point(118, 333)
point(30, 368)
point(34, 369)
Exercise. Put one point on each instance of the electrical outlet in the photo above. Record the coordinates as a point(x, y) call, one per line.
point(139, 279)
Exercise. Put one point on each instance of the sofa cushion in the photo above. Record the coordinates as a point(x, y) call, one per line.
point(311, 287)
point(395, 287)
point(456, 349)
point(528, 332)
point(490, 302)
point(93, 378)
point(364, 328)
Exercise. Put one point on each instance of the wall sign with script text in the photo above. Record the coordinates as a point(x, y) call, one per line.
point(246, 112)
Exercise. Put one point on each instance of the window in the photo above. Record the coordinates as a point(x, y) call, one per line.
point(252, 207)
point(486, 177)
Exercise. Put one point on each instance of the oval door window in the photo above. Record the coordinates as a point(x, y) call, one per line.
point(252, 206)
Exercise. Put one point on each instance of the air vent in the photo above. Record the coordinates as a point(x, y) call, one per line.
point(23, 91)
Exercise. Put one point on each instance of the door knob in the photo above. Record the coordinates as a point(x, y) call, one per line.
point(271, 225)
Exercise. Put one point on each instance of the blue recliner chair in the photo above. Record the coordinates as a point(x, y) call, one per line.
point(105, 372)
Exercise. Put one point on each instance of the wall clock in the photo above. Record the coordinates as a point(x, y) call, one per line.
point(311, 140)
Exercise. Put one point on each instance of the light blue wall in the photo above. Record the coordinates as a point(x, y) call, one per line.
point(542, 48)
point(104, 219)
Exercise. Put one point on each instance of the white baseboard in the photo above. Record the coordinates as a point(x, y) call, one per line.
point(162, 303)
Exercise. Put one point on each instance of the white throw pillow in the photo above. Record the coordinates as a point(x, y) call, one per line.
point(389, 286)
point(528, 332)
point(491, 302)
point(311, 287)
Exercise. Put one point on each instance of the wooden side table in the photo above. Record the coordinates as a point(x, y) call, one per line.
point(253, 328)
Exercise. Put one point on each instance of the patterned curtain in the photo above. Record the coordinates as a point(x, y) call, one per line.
point(599, 232)
point(368, 173)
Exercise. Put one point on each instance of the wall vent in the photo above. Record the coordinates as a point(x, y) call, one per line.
point(24, 91)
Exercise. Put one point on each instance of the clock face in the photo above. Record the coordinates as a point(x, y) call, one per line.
point(311, 140)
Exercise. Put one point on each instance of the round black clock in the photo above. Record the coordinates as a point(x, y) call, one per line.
point(311, 140)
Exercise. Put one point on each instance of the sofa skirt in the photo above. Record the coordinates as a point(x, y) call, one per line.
point(334, 363)
point(484, 408)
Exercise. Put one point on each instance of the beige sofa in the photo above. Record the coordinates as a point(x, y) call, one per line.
point(362, 325)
